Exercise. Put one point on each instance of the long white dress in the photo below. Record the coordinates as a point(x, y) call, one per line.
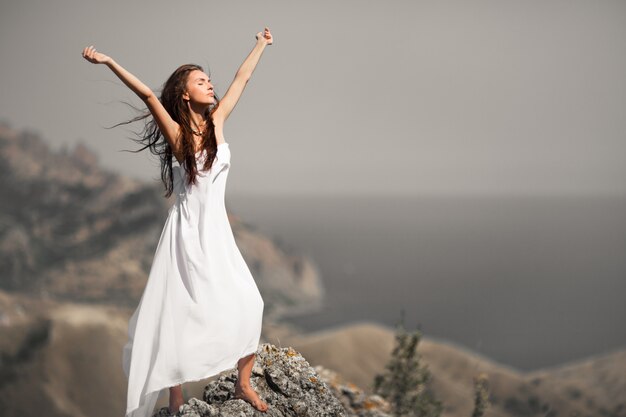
point(201, 310)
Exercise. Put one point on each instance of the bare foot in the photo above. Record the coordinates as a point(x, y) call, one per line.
point(249, 395)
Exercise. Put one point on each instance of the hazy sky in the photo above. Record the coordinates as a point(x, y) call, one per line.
point(354, 97)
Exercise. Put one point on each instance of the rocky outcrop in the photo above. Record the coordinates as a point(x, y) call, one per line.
point(291, 387)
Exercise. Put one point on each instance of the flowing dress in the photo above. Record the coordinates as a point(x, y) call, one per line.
point(201, 310)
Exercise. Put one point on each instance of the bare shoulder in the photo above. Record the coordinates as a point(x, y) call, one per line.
point(174, 143)
point(218, 115)
point(218, 123)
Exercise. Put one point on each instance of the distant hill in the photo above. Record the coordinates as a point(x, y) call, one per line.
point(592, 387)
point(71, 230)
point(65, 358)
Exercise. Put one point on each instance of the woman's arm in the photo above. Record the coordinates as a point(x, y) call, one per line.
point(230, 99)
point(167, 125)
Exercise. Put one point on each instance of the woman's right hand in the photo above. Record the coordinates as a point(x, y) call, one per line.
point(90, 54)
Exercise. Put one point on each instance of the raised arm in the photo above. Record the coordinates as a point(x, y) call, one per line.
point(230, 99)
point(167, 125)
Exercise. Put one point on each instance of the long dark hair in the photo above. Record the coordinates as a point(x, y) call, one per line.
point(151, 136)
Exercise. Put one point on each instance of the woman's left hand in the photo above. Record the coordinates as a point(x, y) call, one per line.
point(266, 36)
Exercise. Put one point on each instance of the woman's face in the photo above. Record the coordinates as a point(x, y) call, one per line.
point(199, 88)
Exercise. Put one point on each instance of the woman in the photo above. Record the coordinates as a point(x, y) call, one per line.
point(201, 311)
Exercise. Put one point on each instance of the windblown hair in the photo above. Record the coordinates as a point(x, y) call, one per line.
point(151, 136)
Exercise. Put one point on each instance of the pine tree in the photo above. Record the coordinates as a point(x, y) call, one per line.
point(481, 395)
point(404, 383)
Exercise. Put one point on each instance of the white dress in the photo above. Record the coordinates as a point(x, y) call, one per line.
point(201, 310)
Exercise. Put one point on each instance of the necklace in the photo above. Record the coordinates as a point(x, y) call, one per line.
point(199, 132)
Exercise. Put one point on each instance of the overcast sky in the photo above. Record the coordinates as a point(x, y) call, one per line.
point(354, 97)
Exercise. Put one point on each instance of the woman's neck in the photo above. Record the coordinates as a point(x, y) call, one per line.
point(196, 114)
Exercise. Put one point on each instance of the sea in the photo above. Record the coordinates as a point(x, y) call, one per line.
point(530, 282)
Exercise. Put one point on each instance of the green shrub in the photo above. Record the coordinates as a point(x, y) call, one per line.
point(404, 383)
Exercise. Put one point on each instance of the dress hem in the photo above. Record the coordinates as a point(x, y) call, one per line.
point(184, 381)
